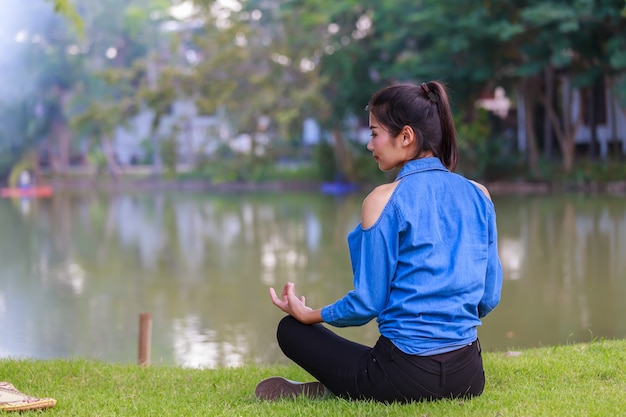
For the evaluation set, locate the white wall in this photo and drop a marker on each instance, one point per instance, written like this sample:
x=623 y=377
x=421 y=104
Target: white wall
x=615 y=126
x=196 y=133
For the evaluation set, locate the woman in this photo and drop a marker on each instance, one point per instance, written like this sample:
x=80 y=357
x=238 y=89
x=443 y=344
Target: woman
x=425 y=263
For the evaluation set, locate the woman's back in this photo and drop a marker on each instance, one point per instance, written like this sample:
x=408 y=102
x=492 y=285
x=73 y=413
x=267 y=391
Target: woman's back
x=445 y=225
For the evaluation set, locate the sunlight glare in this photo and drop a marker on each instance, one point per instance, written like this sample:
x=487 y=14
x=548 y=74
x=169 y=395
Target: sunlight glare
x=182 y=11
x=21 y=36
x=73 y=50
x=241 y=40
x=306 y=65
x=281 y=59
x=111 y=53
x=333 y=28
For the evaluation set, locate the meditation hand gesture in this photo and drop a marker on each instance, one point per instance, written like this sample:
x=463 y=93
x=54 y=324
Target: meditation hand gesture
x=294 y=306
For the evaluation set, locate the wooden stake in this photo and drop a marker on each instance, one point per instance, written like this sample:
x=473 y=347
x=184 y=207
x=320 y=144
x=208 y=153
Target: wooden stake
x=145 y=334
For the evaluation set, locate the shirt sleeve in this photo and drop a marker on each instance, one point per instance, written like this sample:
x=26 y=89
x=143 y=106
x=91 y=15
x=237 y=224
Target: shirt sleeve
x=493 y=278
x=374 y=256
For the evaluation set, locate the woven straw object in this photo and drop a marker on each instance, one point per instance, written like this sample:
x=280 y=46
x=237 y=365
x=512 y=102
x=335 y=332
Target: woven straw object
x=13 y=400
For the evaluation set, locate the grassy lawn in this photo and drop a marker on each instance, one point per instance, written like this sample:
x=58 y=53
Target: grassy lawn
x=574 y=380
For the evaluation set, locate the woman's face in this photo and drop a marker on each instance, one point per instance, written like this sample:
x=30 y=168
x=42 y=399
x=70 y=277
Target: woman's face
x=389 y=151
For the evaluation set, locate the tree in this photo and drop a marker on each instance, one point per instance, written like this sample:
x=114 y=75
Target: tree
x=53 y=68
x=250 y=64
x=581 y=43
x=473 y=45
x=284 y=61
x=337 y=38
x=123 y=38
x=42 y=69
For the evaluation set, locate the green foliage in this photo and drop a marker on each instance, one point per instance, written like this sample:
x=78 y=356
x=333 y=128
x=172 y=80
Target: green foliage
x=365 y=168
x=97 y=160
x=255 y=68
x=21 y=131
x=60 y=64
x=324 y=159
x=297 y=59
x=586 y=172
x=100 y=119
x=486 y=150
x=563 y=15
x=38 y=77
x=66 y=8
x=472 y=142
x=237 y=168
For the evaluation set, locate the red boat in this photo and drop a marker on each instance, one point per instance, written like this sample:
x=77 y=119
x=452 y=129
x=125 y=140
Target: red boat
x=31 y=192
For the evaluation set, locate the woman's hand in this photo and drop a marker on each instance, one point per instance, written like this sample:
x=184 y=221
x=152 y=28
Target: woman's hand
x=294 y=306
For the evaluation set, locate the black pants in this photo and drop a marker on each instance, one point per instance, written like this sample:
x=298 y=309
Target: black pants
x=383 y=373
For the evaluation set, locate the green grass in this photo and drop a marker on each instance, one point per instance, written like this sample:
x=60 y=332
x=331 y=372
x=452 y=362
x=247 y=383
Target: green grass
x=574 y=380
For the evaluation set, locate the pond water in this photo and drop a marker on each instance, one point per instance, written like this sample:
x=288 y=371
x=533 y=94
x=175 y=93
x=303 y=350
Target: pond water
x=77 y=270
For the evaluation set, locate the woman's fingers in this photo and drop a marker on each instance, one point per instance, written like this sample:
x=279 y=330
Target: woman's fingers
x=273 y=295
x=289 y=302
x=280 y=303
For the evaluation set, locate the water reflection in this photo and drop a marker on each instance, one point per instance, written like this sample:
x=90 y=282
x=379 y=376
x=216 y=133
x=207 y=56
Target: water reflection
x=195 y=347
x=564 y=265
x=78 y=269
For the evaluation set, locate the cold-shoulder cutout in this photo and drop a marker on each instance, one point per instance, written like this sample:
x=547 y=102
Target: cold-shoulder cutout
x=375 y=202
x=481 y=188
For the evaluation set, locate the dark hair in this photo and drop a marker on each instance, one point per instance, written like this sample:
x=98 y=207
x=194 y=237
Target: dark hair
x=424 y=108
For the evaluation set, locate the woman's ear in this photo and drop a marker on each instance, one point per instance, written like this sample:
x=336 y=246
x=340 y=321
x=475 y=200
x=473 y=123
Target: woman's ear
x=408 y=136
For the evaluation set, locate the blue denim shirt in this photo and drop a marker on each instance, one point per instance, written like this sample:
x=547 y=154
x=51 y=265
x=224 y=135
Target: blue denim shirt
x=428 y=269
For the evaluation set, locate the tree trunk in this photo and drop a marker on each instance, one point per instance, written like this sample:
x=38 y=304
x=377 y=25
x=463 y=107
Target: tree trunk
x=157 y=161
x=568 y=149
x=566 y=130
x=109 y=154
x=60 y=141
x=592 y=122
x=531 y=137
x=547 y=125
x=61 y=132
x=34 y=153
x=344 y=162
x=527 y=91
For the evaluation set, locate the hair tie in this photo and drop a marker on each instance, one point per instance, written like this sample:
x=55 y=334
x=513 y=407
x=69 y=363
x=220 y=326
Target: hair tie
x=430 y=94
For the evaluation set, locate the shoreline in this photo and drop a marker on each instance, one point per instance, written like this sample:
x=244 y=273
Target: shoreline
x=153 y=184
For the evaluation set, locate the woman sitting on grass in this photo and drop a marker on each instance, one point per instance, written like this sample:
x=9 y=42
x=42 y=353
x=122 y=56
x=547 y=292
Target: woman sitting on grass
x=425 y=263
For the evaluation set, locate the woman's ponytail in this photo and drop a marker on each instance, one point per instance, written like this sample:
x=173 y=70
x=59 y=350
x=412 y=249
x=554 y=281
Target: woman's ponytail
x=448 y=151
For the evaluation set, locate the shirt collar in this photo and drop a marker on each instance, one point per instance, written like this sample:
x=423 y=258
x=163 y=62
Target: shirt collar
x=421 y=165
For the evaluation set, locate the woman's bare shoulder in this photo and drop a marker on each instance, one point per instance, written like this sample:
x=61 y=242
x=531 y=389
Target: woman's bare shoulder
x=481 y=188
x=375 y=202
